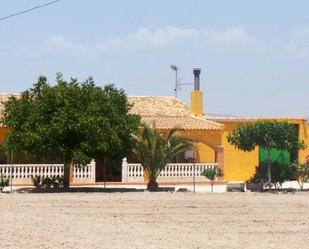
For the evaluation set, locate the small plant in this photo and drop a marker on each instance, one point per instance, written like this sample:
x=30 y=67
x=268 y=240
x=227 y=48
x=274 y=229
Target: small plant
x=57 y=182
x=47 y=183
x=302 y=174
x=36 y=181
x=4 y=182
x=212 y=174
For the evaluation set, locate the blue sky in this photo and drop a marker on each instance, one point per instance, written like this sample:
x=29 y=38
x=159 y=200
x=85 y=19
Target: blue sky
x=254 y=55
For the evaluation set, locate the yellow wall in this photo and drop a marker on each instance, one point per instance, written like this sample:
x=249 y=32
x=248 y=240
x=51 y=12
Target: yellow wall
x=18 y=156
x=212 y=138
x=238 y=165
x=205 y=153
x=206 y=143
x=304 y=135
x=197 y=103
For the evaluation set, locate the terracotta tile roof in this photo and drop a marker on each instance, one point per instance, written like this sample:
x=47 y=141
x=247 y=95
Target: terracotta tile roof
x=166 y=112
x=191 y=123
x=158 y=106
x=169 y=112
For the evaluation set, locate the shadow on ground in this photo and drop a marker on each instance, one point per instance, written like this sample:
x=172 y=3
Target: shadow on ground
x=88 y=190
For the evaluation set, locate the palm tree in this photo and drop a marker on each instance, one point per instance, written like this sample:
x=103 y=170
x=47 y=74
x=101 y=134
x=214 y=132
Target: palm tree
x=154 y=149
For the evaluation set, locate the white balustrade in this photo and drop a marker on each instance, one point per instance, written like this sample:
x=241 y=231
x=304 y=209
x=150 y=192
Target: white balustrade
x=22 y=173
x=132 y=172
x=85 y=174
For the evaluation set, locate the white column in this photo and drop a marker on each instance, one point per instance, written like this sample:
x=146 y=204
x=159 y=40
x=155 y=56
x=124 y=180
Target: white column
x=92 y=168
x=124 y=172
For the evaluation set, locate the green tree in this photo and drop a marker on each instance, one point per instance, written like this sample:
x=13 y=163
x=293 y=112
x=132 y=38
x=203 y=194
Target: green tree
x=154 y=149
x=212 y=174
x=267 y=134
x=74 y=121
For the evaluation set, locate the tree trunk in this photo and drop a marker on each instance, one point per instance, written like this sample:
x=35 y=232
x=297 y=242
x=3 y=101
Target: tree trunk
x=66 y=174
x=212 y=187
x=300 y=183
x=269 y=168
x=152 y=186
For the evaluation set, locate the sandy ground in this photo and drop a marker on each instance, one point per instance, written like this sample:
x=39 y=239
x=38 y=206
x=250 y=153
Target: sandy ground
x=154 y=220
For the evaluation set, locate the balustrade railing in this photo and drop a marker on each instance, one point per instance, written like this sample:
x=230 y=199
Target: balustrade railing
x=85 y=174
x=132 y=172
x=22 y=173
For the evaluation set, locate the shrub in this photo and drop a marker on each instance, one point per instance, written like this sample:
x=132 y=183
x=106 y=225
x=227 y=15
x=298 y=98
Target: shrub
x=4 y=182
x=57 y=182
x=302 y=174
x=280 y=173
x=36 y=181
x=47 y=182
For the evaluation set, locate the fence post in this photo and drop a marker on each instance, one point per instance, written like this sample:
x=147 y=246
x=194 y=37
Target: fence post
x=124 y=172
x=92 y=168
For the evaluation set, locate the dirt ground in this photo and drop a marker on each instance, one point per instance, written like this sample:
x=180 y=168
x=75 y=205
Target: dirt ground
x=154 y=220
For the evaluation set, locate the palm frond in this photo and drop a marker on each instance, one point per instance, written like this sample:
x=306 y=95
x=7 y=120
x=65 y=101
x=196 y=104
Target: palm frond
x=154 y=149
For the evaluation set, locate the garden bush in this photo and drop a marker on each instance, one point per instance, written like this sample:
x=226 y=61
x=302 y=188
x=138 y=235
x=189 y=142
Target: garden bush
x=4 y=182
x=280 y=173
x=47 y=183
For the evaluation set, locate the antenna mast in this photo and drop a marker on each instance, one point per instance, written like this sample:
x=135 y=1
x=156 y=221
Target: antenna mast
x=177 y=83
x=175 y=68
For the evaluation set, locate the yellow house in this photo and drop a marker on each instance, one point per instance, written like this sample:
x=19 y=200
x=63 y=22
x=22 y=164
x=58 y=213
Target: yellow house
x=210 y=132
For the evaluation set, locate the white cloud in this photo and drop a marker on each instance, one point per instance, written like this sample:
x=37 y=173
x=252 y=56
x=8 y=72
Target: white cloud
x=182 y=37
x=145 y=39
x=57 y=42
x=173 y=39
x=163 y=37
x=230 y=35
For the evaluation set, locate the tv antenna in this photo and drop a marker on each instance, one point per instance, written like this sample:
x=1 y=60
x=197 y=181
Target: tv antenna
x=175 y=68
